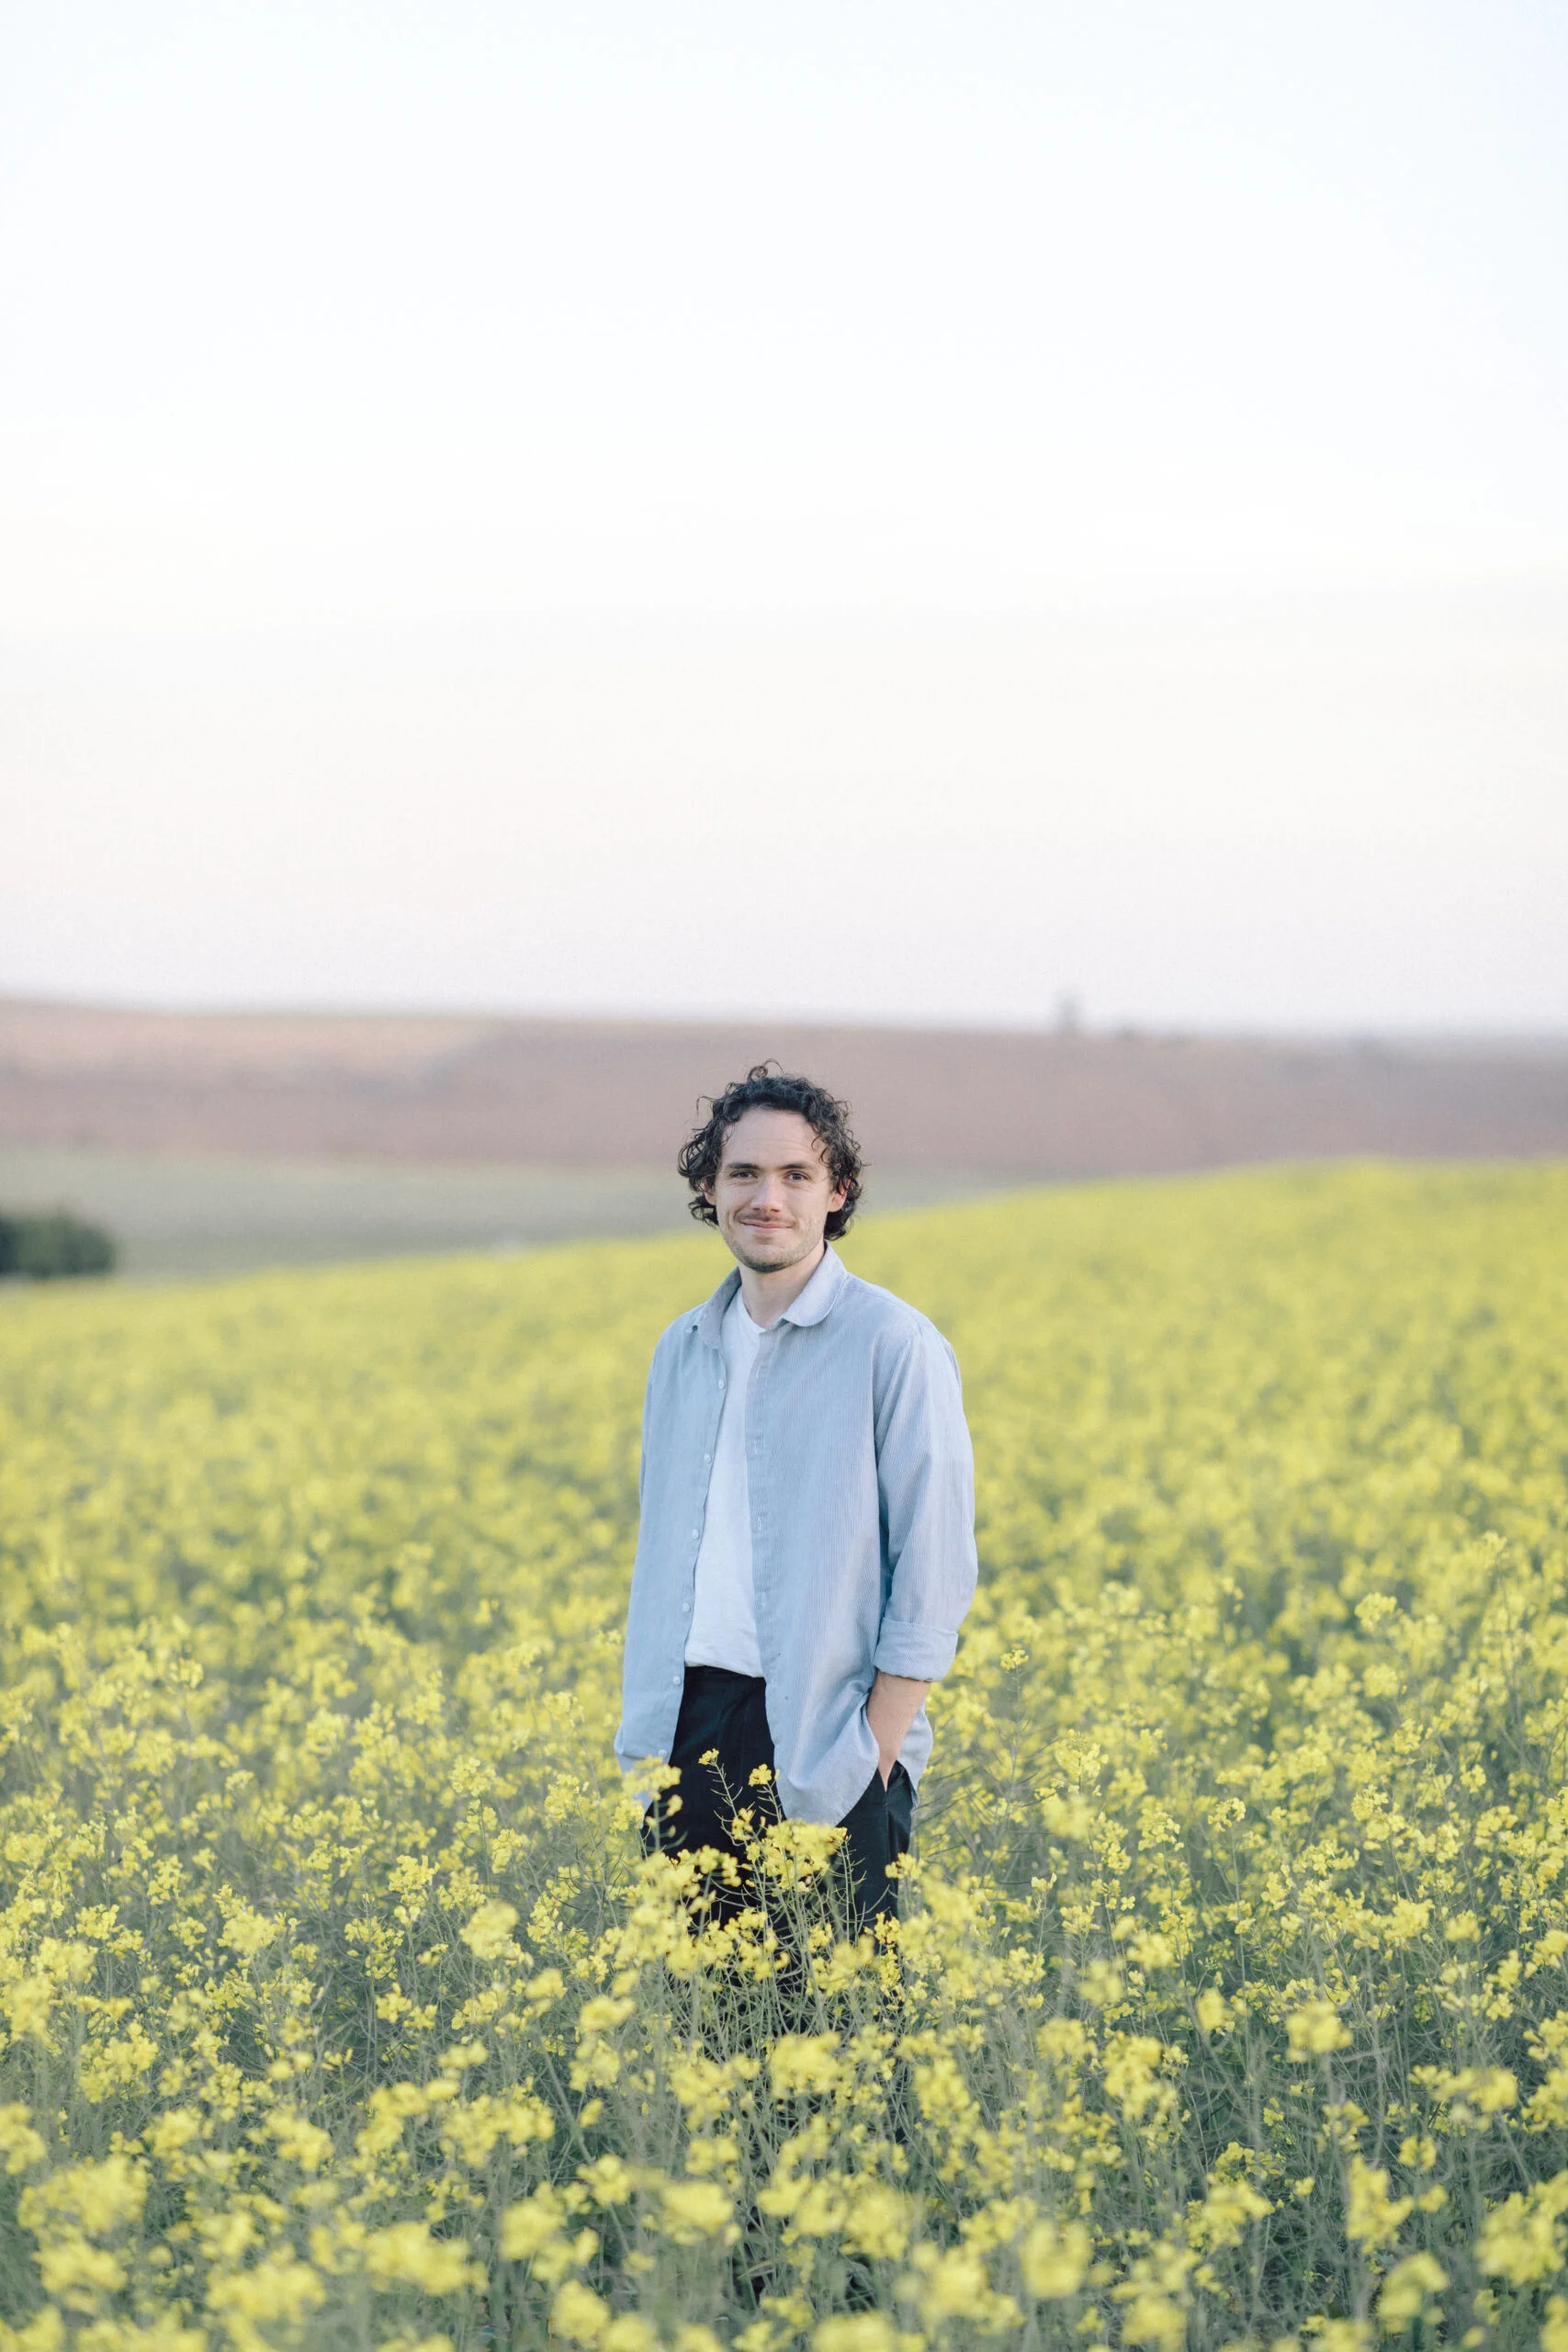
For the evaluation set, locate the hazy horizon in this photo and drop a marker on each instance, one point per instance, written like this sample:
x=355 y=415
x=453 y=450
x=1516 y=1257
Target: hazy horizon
x=1078 y=1022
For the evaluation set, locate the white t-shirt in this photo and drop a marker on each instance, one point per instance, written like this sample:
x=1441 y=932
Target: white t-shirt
x=724 y=1615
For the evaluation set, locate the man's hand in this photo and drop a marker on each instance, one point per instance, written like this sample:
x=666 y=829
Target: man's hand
x=895 y=1700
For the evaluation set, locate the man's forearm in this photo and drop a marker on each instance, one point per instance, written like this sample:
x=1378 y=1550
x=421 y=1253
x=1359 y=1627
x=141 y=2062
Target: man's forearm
x=895 y=1700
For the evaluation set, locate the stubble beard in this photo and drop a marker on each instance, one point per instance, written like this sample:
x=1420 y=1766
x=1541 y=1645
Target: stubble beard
x=790 y=1255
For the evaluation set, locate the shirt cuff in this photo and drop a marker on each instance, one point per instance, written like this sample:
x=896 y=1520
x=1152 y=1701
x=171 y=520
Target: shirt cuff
x=924 y=1652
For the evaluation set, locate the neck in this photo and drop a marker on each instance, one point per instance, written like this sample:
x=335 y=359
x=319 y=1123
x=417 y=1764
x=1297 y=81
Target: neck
x=766 y=1295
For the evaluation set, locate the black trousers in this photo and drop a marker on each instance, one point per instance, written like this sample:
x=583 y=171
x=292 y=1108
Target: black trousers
x=725 y=1714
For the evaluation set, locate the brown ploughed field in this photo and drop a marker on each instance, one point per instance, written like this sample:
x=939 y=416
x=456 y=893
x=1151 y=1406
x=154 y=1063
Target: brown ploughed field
x=1005 y=1106
x=208 y=1144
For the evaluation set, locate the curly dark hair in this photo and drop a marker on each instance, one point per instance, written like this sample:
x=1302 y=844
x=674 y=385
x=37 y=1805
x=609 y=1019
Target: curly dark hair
x=765 y=1087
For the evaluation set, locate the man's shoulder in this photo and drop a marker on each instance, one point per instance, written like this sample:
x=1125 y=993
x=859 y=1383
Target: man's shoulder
x=686 y=1330
x=883 y=1315
x=685 y=1326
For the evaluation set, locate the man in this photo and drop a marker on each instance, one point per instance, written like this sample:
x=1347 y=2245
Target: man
x=807 y=1549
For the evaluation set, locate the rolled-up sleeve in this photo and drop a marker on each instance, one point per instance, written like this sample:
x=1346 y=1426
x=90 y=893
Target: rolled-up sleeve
x=926 y=1477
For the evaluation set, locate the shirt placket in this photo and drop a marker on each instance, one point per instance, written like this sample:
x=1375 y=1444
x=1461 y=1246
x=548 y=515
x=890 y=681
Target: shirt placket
x=757 y=1499
x=701 y=1487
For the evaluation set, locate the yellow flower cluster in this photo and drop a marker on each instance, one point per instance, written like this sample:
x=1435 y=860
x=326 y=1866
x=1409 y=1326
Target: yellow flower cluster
x=338 y=2006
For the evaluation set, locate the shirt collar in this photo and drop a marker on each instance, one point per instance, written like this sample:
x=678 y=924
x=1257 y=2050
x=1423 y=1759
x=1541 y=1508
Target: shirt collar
x=816 y=1301
x=713 y=1314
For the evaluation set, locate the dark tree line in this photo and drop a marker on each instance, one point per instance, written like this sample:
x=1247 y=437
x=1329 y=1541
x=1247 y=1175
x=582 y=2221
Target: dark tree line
x=53 y=1244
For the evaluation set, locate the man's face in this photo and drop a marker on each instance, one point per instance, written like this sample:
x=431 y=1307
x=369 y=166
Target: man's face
x=773 y=1194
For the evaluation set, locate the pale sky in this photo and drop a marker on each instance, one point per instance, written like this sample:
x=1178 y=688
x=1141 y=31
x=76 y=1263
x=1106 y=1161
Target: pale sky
x=895 y=511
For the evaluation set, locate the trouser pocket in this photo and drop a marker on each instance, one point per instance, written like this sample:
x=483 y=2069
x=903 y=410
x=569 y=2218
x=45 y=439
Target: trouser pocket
x=876 y=1832
x=900 y=1797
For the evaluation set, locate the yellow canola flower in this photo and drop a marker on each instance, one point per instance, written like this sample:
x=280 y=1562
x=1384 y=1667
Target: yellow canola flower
x=76 y=2273
x=1070 y=1817
x=1409 y=2289
x=797 y=1854
x=1055 y=2258
x=390 y=2107
x=47 y=2334
x=161 y=2333
x=533 y=2223
x=954 y=2285
x=95 y=2199
x=1223 y=2217
x=535 y=2231
x=629 y=2333
x=802 y=2064
x=474 y=2127
x=29 y=2003
x=578 y=2313
x=304 y=2143
x=878 y=2220
x=21 y=2146
x=1315 y=2028
x=693 y=2209
x=407 y=2255
x=603 y=2014
x=1154 y=2318
x=1341 y=2334
x=1157 y=2298
x=1471 y=2094
x=487 y=1933
x=861 y=2331
x=119 y=2064
x=1522 y=2240
x=1132 y=2076
x=247 y=1931
x=1373 y=2218
x=280 y=2286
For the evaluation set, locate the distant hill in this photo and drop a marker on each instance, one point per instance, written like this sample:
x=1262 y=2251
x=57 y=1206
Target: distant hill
x=623 y=1093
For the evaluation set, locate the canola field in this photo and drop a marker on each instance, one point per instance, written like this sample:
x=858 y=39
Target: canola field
x=1230 y=2003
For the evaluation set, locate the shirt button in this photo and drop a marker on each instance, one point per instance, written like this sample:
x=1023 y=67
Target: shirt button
x=685 y=1609
x=707 y=1457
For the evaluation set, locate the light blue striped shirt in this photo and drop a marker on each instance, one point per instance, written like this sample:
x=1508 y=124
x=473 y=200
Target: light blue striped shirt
x=862 y=1494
